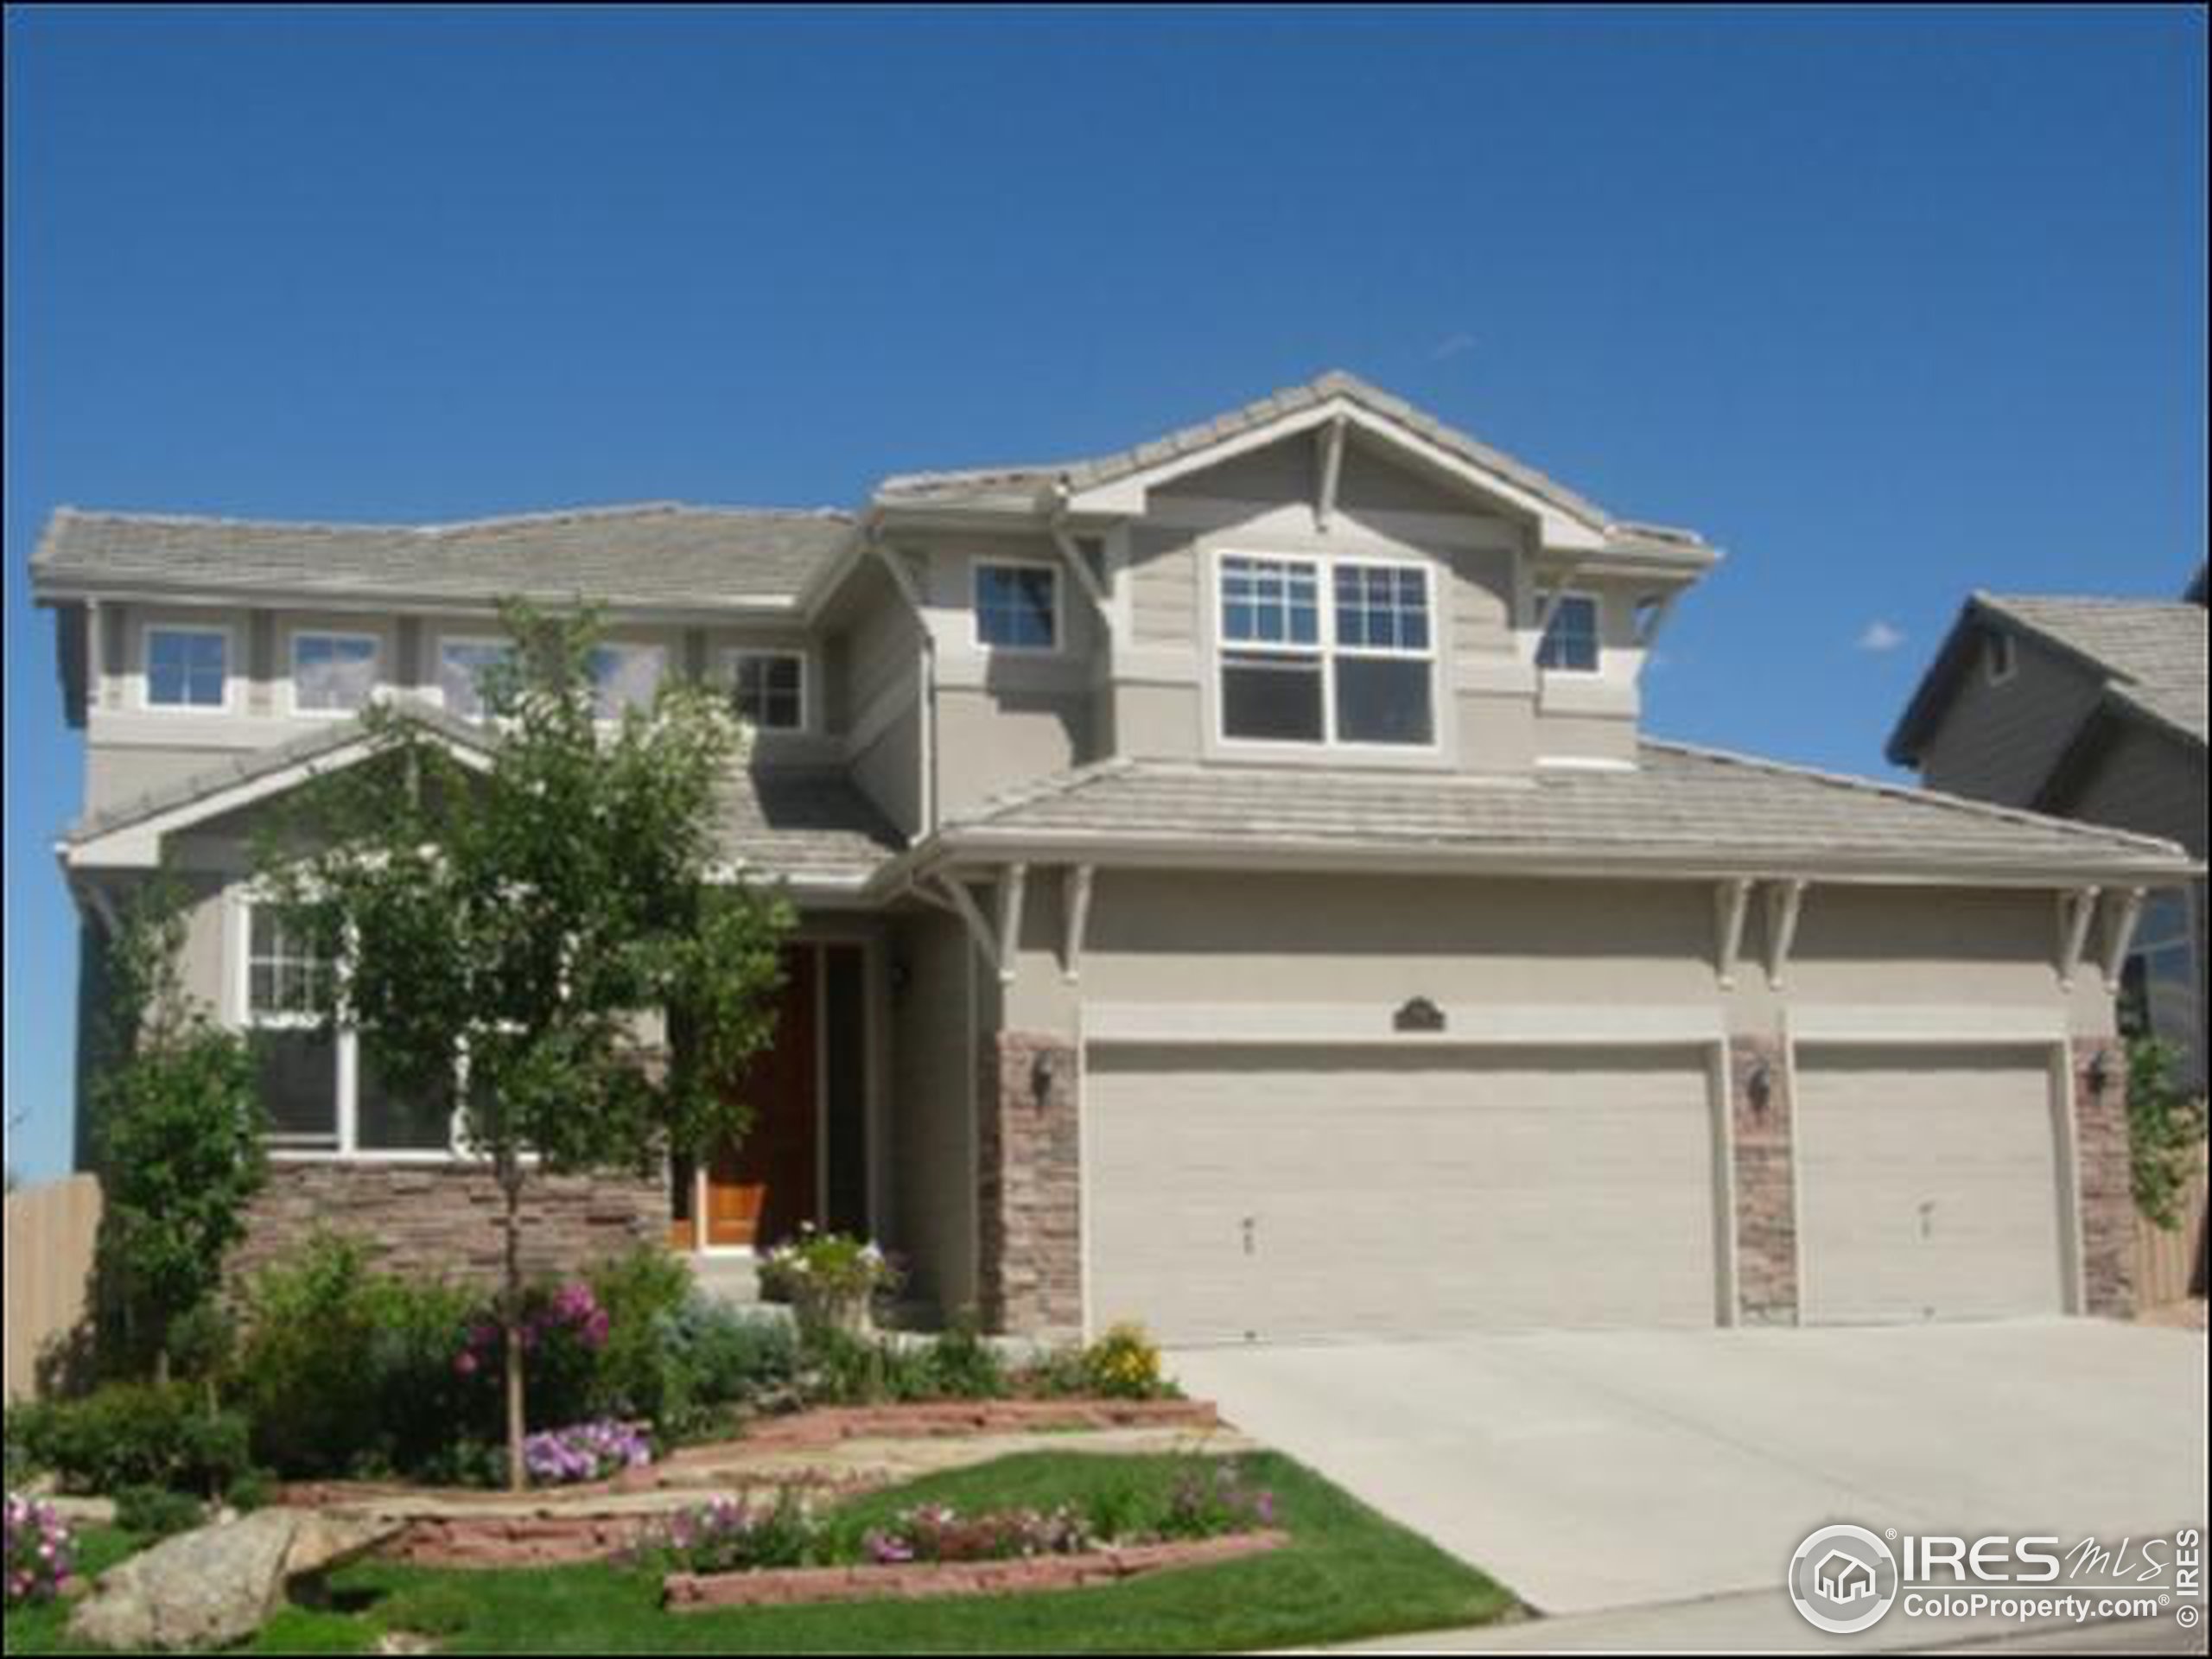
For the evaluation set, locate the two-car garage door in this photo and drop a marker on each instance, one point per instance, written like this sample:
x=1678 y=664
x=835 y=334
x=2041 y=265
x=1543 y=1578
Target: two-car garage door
x=1269 y=1191
x=1276 y=1191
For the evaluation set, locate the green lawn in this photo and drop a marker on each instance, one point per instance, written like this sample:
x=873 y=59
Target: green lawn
x=1348 y=1572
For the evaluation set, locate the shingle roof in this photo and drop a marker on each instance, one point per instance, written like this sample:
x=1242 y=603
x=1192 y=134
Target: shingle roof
x=2153 y=650
x=252 y=764
x=801 y=824
x=657 y=554
x=806 y=825
x=1680 y=805
x=990 y=484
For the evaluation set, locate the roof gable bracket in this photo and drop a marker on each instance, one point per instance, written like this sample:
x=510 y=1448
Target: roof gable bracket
x=2120 y=933
x=1086 y=577
x=997 y=941
x=1075 y=896
x=1332 y=464
x=1732 y=900
x=2077 y=909
x=1550 y=597
x=1785 y=901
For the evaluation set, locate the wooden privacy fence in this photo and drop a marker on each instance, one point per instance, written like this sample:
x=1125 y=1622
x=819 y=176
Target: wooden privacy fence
x=51 y=1230
x=2165 y=1262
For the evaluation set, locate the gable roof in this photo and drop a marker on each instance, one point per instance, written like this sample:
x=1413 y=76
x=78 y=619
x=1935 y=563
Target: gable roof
x=2149 y=654
x=1680 y=809
x=1029 y=485
x=810 y=827
x=657 y=554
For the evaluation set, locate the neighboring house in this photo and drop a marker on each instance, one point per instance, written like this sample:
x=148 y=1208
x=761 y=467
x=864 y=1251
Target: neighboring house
x=2089 y=708
x=1237 y=894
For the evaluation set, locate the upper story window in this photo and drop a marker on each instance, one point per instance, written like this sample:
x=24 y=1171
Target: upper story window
x=188 y=667
x=624 y=676
x=1570 y=643
x=768 y=688
x=1018 y=606
x=333 y=673
x=462 y=666
x=1317 y=651
x=1998 y=658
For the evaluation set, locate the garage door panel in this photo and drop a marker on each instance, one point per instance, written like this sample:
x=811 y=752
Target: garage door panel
x=1930 y=1183
x=1391 y=1193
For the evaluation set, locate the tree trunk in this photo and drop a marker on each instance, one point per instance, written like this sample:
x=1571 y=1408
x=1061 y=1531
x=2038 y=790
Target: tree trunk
x=511 y=1186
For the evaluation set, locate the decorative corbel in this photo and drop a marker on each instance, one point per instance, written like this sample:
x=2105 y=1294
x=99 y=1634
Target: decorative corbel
x=1731 y=902
x=2077 y=910
x=1075 y=896
x=1784 y=900
x=2120 y=933
x=1013 y=886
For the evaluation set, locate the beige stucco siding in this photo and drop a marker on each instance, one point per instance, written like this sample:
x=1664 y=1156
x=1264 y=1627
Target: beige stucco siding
x=1372 y=943
x=933 y=1115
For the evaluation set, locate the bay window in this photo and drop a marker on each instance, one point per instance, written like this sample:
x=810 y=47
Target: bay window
x=1326 y=651
x=1017 y=606
x=1570 y=644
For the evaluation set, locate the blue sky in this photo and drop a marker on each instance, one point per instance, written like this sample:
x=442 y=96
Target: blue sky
x=1888 y=304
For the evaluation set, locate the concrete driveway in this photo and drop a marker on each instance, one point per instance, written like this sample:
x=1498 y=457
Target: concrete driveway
x=1606 y=1469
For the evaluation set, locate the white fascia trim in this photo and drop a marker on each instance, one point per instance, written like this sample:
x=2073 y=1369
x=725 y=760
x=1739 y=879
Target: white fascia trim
x=138 y=845
x=1584 y=763
x=1877 y=1023
x=379 y=602
x=985 y=846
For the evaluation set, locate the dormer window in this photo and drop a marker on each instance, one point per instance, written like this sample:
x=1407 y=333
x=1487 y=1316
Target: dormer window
x=1326 y=650
x=187 y=668
x=1017 y=606
x=1570 y=644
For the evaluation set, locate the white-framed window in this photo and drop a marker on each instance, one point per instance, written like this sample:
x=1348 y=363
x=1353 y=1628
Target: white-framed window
x=768 y=688
x=318 y=1089
x=464 y=662
x=188 y=666
x=624 y=676
x=1017 y=605
x=1326 y=650
x=333 y=673
x=1999 y=657
x=1571 y=642
x=2162 y=990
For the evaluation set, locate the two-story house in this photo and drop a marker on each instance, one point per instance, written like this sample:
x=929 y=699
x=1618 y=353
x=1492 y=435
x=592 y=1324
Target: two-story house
x=2090 y=709
x=1237 y=893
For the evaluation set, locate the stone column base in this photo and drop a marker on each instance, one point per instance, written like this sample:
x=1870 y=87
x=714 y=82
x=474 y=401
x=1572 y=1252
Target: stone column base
x=1029 y=1185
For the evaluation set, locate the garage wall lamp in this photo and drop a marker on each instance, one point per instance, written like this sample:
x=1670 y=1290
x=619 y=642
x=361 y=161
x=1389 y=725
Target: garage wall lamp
x=1044 y=1070
x=2098 y=1076
x=1759 y=1085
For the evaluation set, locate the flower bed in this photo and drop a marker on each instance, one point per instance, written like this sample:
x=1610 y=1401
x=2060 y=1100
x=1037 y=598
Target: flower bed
x=696 y=1592
x=734 y=1552
x=931 y=1418
x=584 y=1452
x=41 y=1552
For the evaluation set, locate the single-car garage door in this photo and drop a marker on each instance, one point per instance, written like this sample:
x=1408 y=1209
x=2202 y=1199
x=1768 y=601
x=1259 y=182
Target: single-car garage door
x=1261 y=1192
x=1929 y=1183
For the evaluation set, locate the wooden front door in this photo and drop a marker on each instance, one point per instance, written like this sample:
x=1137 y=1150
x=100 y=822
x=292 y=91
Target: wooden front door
x=759 y=1191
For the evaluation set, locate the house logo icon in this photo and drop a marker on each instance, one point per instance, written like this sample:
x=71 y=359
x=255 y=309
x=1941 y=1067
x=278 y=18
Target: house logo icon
x=1843 y=1578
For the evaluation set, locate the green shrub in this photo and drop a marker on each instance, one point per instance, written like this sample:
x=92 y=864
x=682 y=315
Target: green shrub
x=345 y=1368
x=963 y=1366
x=840 y=1369
x=728 y=1357
x=251 y=1490
x=637 y=1372
x=128 y=1434
x=153 y=1512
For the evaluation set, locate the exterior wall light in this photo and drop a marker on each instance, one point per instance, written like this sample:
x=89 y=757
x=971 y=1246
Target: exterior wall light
x=2098 y=1076
x=1759 y=1085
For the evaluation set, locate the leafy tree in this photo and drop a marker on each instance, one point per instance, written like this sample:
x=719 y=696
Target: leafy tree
x=2165 y=1129
x=178 y=1129
x=544 y=940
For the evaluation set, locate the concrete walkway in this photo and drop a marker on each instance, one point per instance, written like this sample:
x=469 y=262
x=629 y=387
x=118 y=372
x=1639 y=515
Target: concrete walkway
x=1591 y=1472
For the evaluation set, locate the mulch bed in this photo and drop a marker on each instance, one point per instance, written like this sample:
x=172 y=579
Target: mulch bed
x=693 y=1592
